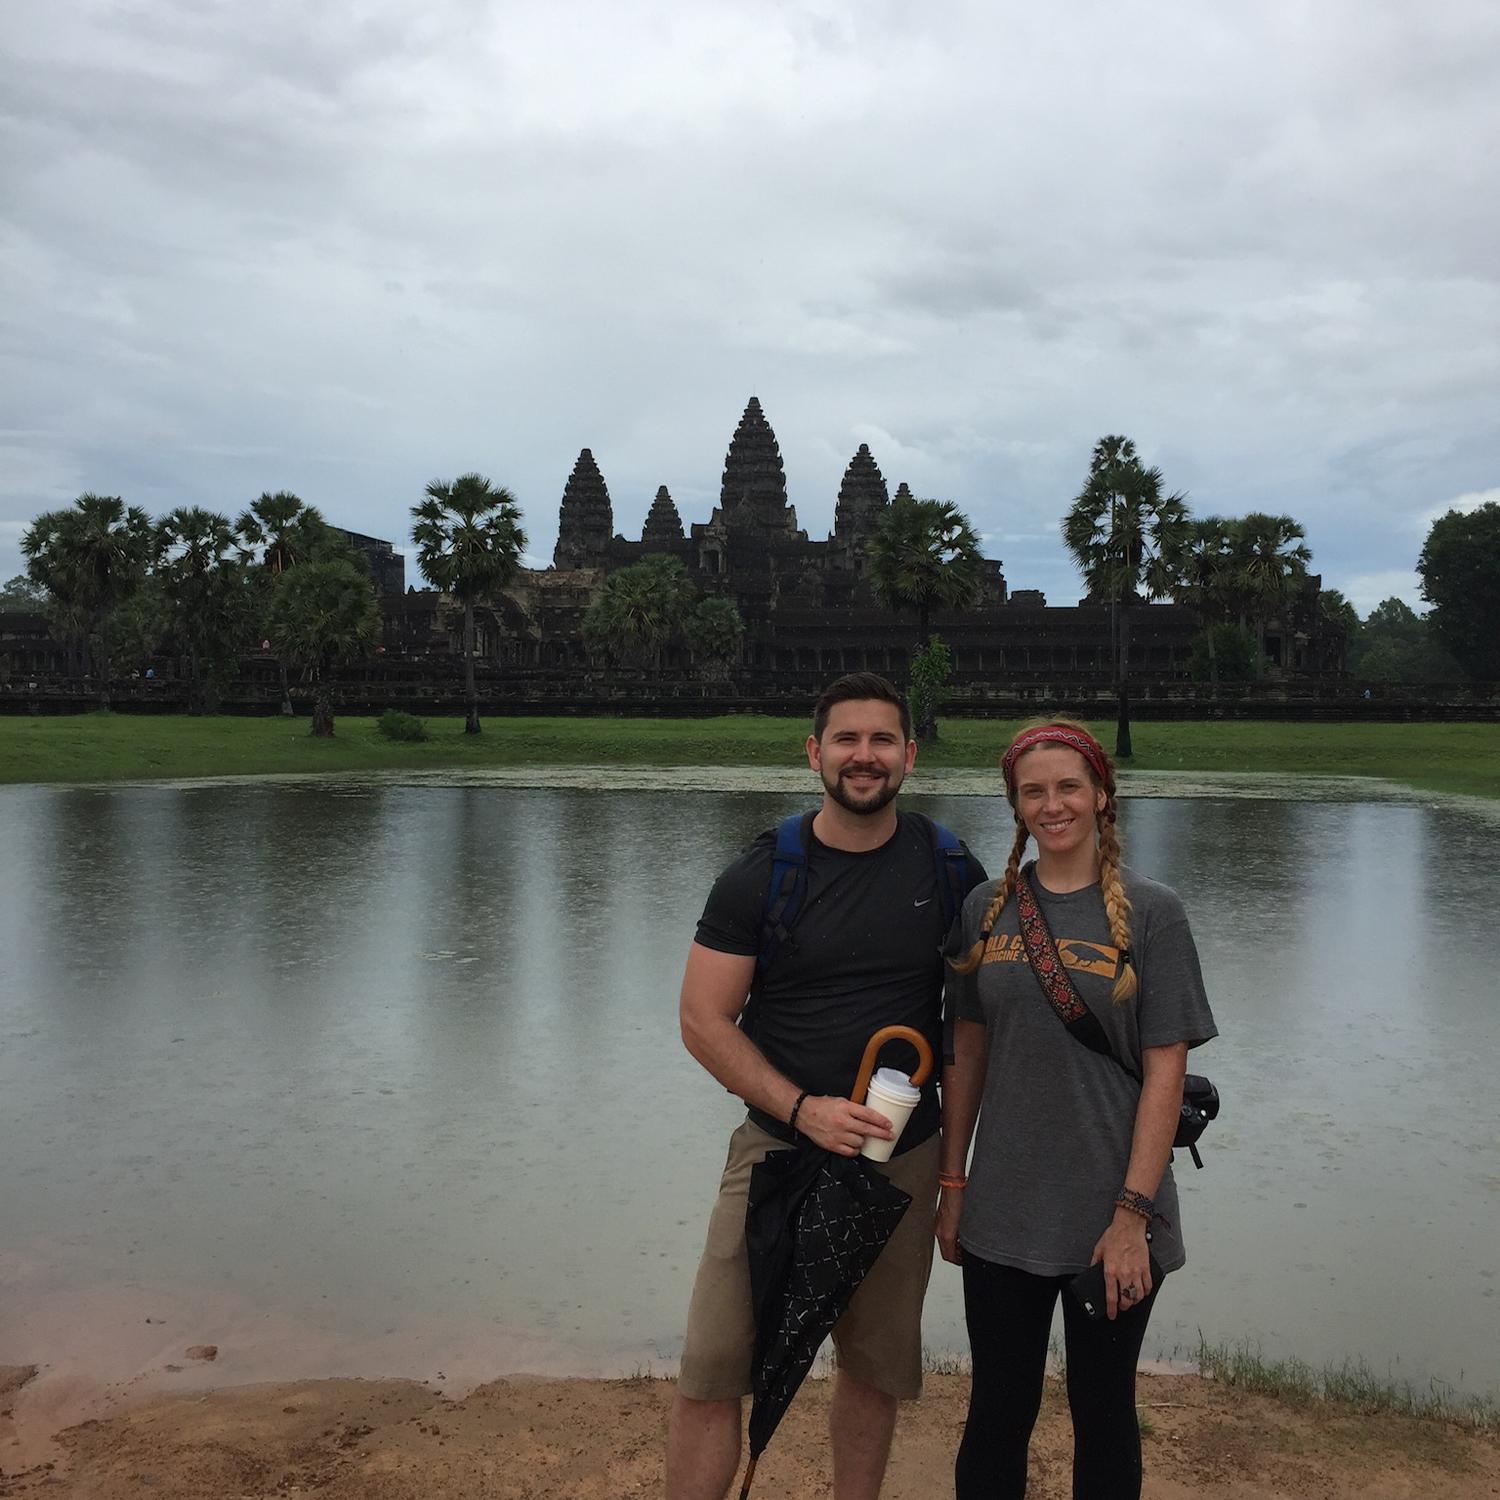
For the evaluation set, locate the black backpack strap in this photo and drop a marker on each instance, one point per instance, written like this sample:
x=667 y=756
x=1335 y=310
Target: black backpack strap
x=950 y=864
x=1062 y=994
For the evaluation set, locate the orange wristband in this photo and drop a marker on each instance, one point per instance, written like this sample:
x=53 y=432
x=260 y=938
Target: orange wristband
x=952 y=1180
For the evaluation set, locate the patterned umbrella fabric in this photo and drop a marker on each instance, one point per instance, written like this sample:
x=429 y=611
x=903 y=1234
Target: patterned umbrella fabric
x=814 y=1225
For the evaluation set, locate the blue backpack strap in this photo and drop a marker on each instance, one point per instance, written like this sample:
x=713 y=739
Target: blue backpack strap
x=787 y=887
x=953 y=869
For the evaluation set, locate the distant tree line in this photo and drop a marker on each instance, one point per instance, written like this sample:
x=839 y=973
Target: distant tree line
x=118 y=587
x=1132 y=543
x=1458 y=639
x=1135 y=543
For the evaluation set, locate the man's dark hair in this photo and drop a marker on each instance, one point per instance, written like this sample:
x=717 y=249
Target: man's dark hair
x=859 y=687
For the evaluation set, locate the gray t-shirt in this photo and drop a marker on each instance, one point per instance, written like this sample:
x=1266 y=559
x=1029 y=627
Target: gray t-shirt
x=1056 y=1119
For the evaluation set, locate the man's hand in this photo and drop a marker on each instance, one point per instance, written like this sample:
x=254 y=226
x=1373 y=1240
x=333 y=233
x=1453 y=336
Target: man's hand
x=950 y=1208
x=840 y=1125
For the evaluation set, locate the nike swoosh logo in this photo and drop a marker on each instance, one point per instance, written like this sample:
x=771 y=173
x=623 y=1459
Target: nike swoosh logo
x=921 y=903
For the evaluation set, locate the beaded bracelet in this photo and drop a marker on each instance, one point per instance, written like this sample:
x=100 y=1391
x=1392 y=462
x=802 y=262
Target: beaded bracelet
x=1136 y=1203
x=801 y=1099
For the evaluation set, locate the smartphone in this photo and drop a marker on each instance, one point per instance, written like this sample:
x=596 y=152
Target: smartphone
x=1087 y=1288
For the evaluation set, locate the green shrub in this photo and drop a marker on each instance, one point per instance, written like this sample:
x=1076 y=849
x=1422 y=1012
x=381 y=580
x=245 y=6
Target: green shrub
x=395 y=725
x=1224 y=653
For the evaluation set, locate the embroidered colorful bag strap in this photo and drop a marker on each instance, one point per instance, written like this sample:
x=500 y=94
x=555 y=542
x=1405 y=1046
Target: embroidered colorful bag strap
x=1062 y=995
x=1200 y=1099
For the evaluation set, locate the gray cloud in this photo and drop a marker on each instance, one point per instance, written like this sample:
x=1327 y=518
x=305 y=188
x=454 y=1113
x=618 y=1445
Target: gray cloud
x=346 y=248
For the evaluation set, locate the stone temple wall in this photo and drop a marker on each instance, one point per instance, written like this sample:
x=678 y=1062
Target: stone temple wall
x=809 y=601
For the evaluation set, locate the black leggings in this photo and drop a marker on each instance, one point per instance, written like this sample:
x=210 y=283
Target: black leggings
x=1009 y=1313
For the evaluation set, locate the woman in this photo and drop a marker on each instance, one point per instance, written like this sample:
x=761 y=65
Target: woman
x=1070 y=1165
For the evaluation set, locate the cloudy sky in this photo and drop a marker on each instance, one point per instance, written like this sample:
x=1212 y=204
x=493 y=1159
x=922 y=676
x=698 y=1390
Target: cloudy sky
x=346 y=246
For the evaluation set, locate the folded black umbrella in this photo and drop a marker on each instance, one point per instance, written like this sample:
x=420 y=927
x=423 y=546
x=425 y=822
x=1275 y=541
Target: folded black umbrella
x=814 y=1225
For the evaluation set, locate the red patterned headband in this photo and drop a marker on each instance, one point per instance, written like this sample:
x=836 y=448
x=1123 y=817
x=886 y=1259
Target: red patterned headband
x=1054 y=734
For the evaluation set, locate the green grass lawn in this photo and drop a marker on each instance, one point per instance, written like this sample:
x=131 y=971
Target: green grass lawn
x=109 y=747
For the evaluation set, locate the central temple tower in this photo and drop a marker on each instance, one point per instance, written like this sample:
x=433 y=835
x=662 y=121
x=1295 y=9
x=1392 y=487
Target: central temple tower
x=586 y=519
x=752 y=494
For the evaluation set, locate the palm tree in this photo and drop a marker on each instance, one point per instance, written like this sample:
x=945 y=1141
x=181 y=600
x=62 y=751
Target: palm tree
x=925 y=556
x=1270 y=565
x=280 y=531
x=715 y=632
x=324 y=614
x=1127 y=539
x=469 y=543
x=202 y=574
x=284 y=529
x=641 y=610
x=1205 y=579
x=1336 y=612
x=90 y=558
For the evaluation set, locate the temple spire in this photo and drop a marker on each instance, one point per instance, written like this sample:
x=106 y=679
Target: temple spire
x=903 y=493
x=753 y=491
x=863 y=498
x=663 y=524
x=585 y=521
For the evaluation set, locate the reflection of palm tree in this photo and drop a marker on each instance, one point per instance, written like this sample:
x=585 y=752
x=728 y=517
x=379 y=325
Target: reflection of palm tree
x=90 y=558
x=469 y=543
x=1270 y=565
x=201 y=572
x=1127 y=539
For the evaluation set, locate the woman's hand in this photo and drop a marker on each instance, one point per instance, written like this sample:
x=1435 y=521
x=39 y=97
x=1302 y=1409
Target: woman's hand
x=1127 y=1262
x=950 y=1207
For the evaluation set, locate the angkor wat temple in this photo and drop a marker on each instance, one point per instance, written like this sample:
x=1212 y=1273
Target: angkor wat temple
x=808 y=605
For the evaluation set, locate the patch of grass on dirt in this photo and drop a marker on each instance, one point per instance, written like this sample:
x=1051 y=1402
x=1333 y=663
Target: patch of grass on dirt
x=1351 y=1384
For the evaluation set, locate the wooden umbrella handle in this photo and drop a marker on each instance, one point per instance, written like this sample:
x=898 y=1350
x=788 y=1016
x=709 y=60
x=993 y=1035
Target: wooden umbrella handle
x=872 y=1055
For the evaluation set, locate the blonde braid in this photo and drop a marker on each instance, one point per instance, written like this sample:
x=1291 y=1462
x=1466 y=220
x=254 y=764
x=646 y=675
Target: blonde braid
x=1116 y=902
x=971 y=960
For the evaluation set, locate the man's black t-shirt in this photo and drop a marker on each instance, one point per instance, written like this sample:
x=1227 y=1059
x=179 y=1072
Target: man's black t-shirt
x=863 y=953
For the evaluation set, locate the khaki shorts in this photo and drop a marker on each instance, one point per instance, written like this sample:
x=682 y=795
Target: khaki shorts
x=879 y=1338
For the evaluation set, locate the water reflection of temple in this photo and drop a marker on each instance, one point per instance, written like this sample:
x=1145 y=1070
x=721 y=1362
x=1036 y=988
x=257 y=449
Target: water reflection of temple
x=808 y=604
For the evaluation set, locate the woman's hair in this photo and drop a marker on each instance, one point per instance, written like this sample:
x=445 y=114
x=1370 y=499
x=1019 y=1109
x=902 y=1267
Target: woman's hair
x=1111 y=887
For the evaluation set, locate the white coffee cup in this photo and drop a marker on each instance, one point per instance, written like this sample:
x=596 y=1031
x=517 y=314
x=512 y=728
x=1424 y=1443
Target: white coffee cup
x=891 y=1093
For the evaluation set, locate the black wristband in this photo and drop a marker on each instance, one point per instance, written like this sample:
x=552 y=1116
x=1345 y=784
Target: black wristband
x=796 y=1108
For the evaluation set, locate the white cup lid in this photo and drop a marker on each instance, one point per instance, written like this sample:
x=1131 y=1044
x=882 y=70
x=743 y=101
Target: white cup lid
x=896 y=1084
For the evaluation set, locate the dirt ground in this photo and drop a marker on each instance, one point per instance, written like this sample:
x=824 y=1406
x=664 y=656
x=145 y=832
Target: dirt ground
x=534 y=1439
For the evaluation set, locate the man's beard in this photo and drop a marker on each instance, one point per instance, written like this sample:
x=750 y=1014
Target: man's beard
x=873 y=802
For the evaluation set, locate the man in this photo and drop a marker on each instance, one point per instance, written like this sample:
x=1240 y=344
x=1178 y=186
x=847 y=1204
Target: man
x=863 y=953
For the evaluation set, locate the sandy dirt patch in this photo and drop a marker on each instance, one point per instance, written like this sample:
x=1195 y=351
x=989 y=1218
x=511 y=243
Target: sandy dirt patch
x=532 y=1439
